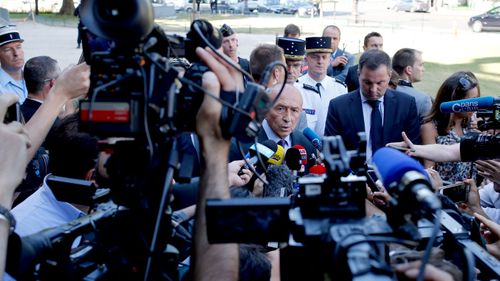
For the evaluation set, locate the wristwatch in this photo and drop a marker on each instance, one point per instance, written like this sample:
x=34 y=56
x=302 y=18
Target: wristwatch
x=7 y=216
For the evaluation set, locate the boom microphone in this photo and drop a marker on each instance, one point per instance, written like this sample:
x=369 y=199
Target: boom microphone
x=405 y=179
x=313 y=138
x=469 y=105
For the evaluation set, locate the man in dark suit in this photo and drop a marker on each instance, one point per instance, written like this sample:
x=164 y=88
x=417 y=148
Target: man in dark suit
x=373 y=40
x=40 y=74
x=280 y=123
x=374 y=108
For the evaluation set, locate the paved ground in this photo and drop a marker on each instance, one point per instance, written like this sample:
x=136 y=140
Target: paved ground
x=442 y=44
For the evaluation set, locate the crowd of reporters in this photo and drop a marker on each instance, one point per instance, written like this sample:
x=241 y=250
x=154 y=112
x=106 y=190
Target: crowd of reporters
x=280 y=156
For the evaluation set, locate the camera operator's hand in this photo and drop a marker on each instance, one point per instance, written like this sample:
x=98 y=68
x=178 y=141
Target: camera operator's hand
x=14 y=144
x=233 y=177
x=489 y=169
x=217 y=261
x=432 y=273
x=473 y=204
x=230 y=78
x=73 y=82
x=492 y=235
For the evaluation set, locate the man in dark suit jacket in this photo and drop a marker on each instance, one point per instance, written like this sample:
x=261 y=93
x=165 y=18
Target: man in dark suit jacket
x=40 y=74
x=352 y=113
x=373 y=40
x=280 y=123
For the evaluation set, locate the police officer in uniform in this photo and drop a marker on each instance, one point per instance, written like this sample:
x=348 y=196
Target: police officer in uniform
x=230 y=47
x=316 y=87
x=295 y=51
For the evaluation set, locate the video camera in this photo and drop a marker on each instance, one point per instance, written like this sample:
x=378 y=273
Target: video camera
x=134 y=96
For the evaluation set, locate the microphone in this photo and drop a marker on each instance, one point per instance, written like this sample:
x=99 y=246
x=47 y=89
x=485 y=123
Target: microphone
x=469 y=105
x=405 y=179
x=303 y=154
x=313 y=138
x=278 y=157
x=318 y=169
x=293 y=159
x=266 y=150
x=280 y=181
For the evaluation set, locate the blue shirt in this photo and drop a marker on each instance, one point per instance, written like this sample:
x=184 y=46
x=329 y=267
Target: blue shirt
x=273 y=136
x=9 y=85
x=41 y=210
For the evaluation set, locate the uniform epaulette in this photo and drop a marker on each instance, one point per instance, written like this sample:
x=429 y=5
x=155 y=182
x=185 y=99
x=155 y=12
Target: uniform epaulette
x=340 y=82
x=310 y=88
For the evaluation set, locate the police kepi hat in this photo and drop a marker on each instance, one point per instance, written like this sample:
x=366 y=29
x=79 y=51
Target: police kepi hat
x=8 y=34
x=294 y=49
x=226 y=30
x=318 y=45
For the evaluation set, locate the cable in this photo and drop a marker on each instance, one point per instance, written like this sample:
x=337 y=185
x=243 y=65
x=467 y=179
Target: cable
x=430 y=243
x=238 y=144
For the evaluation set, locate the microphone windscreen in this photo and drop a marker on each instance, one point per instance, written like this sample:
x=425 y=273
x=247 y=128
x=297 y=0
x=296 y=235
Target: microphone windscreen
x=303 y=153
x=280 y=181
x=312 y=137
x=278 y=157
x=391 y=165
x=467 y=105
x=317 y=169
x=293 y=159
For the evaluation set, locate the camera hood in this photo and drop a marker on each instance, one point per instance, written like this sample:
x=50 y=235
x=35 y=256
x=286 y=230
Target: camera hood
x=127 y=21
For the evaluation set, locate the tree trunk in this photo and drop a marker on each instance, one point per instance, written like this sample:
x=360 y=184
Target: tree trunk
x=355 y=11
x=68 y=7
x=36 y=8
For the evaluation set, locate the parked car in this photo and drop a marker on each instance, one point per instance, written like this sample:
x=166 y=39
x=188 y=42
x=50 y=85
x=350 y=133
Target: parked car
x=237 y=8
x=412 y=6
x=204 y=6
x=487 y=21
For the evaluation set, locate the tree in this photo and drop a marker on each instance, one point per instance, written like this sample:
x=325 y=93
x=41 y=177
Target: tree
x=68 y=7
x=36 y=8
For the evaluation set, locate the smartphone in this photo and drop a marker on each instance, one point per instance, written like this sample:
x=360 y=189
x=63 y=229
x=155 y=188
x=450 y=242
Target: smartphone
x=13 y=114
x=458 y=192
x=400 y=148
x=371 y=179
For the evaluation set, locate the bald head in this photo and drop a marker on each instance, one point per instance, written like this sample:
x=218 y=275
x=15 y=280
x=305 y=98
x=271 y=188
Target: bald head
x=283 y=116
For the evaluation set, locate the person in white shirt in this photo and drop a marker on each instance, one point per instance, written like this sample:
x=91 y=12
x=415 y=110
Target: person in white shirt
x=316 y=87
x=12 y=61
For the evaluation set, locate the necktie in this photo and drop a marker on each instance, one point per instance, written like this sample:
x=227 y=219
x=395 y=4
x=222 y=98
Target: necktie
x=282 y=142
x=318 y=85
x=376 y=126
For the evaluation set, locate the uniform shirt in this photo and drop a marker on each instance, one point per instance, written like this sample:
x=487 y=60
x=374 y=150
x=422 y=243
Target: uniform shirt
x=9 y=85
x=41 y=210
x=316 y=106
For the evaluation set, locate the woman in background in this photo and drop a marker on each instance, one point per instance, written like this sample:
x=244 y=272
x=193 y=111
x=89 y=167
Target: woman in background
x=448 y=128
